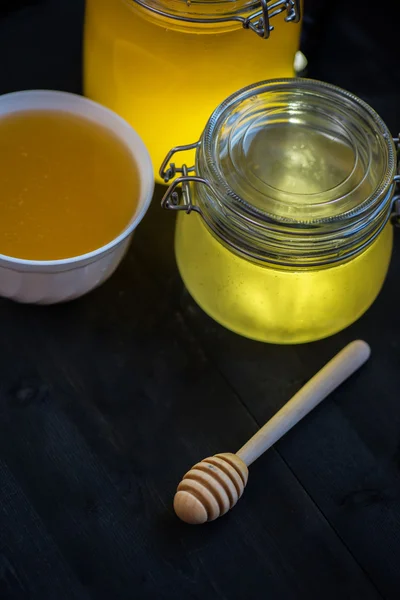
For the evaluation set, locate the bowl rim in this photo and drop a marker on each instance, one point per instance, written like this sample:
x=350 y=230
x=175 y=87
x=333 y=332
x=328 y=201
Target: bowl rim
x=140 y=154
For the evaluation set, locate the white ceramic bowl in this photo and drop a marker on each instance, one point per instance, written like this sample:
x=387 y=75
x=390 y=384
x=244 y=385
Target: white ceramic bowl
x=48 y=282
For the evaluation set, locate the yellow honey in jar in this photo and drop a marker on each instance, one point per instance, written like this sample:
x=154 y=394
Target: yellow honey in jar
x=277 y=305
x=165 y=75
x=68 y=185
x=288 y=238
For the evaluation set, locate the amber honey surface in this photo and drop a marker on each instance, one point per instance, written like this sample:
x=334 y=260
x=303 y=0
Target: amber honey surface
x=68 y=186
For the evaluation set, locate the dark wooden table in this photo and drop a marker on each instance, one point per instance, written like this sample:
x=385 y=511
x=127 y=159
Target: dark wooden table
x=106 y=401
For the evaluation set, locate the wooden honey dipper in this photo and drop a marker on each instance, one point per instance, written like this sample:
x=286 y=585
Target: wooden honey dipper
x=213 y=486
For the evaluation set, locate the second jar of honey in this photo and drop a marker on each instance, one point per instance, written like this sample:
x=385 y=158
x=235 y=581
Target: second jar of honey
x=164 y=65
x=290 y=192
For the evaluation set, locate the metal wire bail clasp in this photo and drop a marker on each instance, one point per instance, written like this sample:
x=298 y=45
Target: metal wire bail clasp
x=259 y=22
x=178 y=196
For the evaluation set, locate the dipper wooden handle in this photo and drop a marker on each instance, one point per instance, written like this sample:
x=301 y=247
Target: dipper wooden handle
x=213 y=486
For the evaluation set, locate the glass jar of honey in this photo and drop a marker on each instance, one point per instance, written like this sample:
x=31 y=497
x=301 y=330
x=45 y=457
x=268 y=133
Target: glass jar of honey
x=163 y=65
x=289 y=237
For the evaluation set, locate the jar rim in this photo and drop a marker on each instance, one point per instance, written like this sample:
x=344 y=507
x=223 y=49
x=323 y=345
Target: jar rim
x=288 y=240
x=273 y=237
x=199 y=10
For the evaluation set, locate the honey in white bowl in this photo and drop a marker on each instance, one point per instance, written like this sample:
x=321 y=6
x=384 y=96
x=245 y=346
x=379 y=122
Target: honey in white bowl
x=68 y=185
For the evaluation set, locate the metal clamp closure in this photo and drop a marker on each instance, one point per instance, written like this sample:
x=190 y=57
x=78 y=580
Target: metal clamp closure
x=178 y=196
x=260 y=22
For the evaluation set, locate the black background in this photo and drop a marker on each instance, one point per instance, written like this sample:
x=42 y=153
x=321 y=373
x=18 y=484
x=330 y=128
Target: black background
x=105 y=402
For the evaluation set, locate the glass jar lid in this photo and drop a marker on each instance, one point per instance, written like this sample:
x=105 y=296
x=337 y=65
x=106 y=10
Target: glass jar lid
x=290 y=171
x=297 y=150
x=255 y=15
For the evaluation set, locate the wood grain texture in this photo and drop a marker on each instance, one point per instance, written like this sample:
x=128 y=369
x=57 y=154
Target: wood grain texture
x=319 y=387
x=104 y=403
